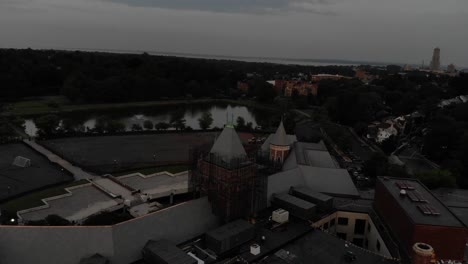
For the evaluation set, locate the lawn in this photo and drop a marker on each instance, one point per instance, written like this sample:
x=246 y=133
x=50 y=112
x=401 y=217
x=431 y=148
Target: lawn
x=148 y=171
x=34 y=199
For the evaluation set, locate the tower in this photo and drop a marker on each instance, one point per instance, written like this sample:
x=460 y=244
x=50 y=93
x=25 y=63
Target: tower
x=227 y=176
x=435 y=62
x=279 y=146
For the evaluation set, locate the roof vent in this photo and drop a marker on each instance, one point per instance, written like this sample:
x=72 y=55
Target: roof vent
x=402 y=193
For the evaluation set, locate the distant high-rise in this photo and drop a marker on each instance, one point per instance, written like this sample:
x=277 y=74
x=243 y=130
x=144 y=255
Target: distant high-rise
x=435 y=62
x=451 y=68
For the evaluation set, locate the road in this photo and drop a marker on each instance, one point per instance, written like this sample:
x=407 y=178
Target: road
x=77 y=172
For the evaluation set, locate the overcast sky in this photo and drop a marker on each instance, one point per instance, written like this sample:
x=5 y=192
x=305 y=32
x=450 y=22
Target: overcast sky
x=403 y=31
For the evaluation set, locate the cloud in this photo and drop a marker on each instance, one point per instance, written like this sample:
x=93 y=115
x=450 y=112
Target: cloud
x=237 y=6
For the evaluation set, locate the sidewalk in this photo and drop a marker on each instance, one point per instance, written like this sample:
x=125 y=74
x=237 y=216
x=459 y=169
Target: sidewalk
x=77 y=172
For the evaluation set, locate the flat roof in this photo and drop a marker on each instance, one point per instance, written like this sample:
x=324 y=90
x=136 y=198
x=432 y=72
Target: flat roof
x=229 y=229
x=85 y=200
x=419 y=200
x=294 y=200
x=320 y=247
x=168 y=252
x=316 y=195
x=157 y=185
x=456 y=200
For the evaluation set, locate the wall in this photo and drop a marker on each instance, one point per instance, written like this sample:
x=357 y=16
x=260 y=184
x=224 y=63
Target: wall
x=372 y=236
x=121 y=243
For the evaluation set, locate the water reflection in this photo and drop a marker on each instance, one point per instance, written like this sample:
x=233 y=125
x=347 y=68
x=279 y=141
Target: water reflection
x=191 y=114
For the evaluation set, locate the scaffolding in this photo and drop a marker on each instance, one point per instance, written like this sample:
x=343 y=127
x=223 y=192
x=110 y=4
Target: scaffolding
x=234 y=188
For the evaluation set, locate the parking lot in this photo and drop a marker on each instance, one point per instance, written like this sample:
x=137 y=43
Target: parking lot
x=16 y=180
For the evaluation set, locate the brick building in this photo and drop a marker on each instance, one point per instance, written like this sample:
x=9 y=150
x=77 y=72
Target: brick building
x=414 y=215
x=227 y=176
x=303 y=88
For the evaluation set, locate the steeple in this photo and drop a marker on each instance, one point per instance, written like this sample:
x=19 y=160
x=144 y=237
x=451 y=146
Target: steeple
x=280 y=138
x=228 y=145
x=279 y=145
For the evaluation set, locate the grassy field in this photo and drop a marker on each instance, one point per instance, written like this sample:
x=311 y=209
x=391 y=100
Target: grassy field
x=59 y=104
x=34 y=199
x=147 y=171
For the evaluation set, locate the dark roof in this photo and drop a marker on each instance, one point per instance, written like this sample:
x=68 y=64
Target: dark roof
x=310 y=193
x=333 y=182
x=280 y=138
x=319 y=247
x=168 y=252
x=228 y=145
x=418 y=200
x=94 y=259
x=456 y=200
x=294 y=200
x=229 y=230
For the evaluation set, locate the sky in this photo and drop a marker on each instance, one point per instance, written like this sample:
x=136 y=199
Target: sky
x=399 y=31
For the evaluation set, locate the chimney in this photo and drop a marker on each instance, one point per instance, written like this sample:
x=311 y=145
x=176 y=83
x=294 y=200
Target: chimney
x=422 y=254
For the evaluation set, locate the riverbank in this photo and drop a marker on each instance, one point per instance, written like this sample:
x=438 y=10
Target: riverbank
x=59 y=105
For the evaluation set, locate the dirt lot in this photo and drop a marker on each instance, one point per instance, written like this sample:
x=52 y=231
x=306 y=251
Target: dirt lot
x=17 y=180
x=106 y=154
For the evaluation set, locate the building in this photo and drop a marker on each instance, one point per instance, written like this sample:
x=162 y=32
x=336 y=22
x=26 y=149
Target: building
x=279 y=145
x=306 y=164
x=243 y=87
x=451 y=68
x=435 y=62
x=414 y=214
x=227 y=176
x=320 y=77
x=300 y=87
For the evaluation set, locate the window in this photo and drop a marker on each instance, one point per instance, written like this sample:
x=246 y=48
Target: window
x=332 y=222
x=378 y=245
x=359 y=226
x=368 y=228
x=358 y=242
x=325 y=226
x=342 y=235
x=342 y=221
x=366 y=243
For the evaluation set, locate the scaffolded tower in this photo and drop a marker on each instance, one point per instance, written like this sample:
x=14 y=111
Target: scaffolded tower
x=226 y=174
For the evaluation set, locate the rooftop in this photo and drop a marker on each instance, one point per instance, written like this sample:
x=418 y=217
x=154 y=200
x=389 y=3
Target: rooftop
x=294 y=200
x=228 y=145
x=81 y=202
x=319 y=247
x=229 y=229
x=419 y=203
x=168 y=252
x=280 y=137
x=159 y=184
x=333 y=182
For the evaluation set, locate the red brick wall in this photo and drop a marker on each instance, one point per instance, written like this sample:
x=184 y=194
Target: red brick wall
x=448 y=242
x=395 y=217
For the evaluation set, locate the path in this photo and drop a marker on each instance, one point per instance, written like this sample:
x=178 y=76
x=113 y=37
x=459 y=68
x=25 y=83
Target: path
x=114 y=188
x=77 y=172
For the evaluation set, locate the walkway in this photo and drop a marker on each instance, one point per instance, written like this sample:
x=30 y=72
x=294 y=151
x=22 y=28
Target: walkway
x=114 y=188
x=77 y=172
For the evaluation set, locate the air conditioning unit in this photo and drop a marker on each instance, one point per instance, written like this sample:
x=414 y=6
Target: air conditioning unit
x=280 y=216
x=255 y=249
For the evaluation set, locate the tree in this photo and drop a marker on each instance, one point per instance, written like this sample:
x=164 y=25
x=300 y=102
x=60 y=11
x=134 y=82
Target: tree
x=114 y=126
x=47 y=125
x=389 y=145
x=205 y=121
x=148 y=124
x=136 y=127
x=240 y=122
x=437 y=179
x=162 y=126
x=179 y=124
x=106 y=218
x=375 y=166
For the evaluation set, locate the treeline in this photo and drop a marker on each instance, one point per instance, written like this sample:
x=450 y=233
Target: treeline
x=442 y=135
x=106 y=77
